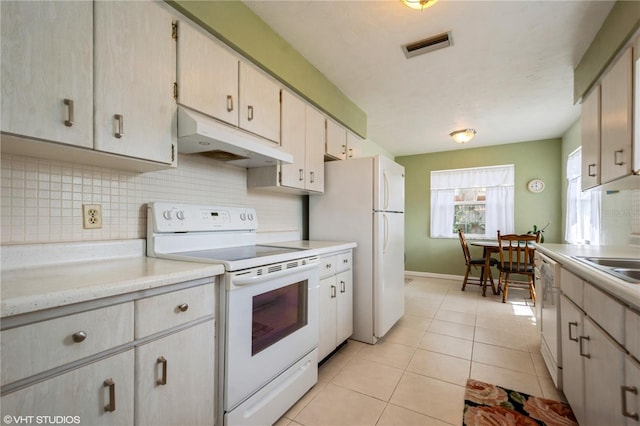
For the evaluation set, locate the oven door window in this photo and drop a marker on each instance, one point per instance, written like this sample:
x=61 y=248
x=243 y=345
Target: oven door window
x=277 y=314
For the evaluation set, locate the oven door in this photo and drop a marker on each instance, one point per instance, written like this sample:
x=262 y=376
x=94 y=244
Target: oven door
x=272 y=322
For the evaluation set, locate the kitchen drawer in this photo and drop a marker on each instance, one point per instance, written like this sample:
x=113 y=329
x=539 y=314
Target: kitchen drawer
x=632 y=333
x=38 y=347
x=572 y=287
x=327 y=266
x=164 y=311
x=605 y=311
x=344 y=261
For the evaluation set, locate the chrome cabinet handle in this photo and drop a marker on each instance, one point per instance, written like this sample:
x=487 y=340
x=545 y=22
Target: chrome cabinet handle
x=344 y=149
x=183 y=307
x=69 y=121
x=575 y=339
x=301 y=174
x=229 y=103
x=163 y=379
x=615 y=157
x=624 y=390
x=342 y=287
x=250 y=112
x=120 y=120
x=312 y=177
x=333 y=291
x=582 y=339
x=328 y=266
x=590 y=173
x=345 y=261
x=111 y=407
x=79 y=336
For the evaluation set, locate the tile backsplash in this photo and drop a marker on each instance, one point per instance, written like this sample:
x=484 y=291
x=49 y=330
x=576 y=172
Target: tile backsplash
x=41 y=200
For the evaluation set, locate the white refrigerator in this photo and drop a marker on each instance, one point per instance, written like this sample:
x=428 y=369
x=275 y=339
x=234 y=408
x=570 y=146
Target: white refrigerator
x=364 y=202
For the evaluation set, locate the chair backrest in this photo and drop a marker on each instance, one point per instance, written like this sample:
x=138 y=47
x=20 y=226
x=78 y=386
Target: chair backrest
x=517 y=251
x=465 y=247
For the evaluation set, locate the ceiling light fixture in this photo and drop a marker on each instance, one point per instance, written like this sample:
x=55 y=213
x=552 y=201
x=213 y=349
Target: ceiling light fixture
x=418 y=4
x=463 y=136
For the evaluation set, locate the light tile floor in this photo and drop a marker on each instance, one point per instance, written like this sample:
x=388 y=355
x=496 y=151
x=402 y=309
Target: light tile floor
x=416 y=374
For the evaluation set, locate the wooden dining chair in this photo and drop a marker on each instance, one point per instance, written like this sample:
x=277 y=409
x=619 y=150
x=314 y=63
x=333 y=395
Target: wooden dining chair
x=517 y=258
x=475 y=263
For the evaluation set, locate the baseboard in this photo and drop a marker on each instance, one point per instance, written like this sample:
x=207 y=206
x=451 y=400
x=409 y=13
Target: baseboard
x=433 y=275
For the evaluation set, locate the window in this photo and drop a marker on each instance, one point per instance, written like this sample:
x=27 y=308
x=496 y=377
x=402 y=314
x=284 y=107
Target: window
x=582 y=222
x=478 y=200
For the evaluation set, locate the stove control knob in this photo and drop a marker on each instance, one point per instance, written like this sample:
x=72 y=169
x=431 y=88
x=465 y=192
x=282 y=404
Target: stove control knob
x=243 y=217
x=180 y=215
x=167 y=214
x=251 y=217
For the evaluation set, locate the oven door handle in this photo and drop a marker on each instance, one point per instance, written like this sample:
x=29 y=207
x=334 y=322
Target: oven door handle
x=262 y=278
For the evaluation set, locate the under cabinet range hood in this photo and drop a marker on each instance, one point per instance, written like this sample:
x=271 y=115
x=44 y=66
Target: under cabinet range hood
x=201 y=134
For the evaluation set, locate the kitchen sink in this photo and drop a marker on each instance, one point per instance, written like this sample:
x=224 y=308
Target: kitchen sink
x=627 y=269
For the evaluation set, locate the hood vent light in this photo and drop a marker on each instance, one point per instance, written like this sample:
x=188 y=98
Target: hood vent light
x=426 y=45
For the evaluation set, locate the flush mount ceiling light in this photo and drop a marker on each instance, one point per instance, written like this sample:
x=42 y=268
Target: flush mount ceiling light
x=463 y=136
x=419 y=4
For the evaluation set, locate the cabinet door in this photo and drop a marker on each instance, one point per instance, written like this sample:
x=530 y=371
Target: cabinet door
x=83 y=392
x=344 y=315
x=327 y=316
x=175 y=378
x=631 y=392
x=315 y=149
x=354 y=145
x=47 y=58
x=135 y=71
x=336 y=140
x=292 y=140
x=590 y=123
x=617 y=101
x=572 y=362
x=207 y=75
x=604 y=374
x=259 y=103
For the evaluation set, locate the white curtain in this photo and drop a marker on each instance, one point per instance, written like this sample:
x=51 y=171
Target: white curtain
x=582 y=219
x=498 y=181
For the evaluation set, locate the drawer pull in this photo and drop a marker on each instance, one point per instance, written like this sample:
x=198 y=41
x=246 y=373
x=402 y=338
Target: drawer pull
x=111 y=407
x=79 y=336
x=345 y=261
x=575 y=339
x=583 y=338
x=163 y=380
x=69 y=121
x=633 y=390
x=328 y=266
x=183 y=307
x=333 y=291
x=342 y=287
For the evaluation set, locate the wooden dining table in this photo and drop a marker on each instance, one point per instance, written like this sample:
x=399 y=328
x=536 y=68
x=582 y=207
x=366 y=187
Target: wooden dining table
x=490 y=247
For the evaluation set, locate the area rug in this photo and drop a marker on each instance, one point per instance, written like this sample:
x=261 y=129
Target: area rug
x=486 y=404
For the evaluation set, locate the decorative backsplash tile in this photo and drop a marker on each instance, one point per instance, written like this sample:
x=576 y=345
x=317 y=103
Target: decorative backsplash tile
x=41 y=200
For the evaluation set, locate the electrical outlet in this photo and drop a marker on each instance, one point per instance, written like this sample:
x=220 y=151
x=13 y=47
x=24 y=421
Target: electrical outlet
x=92 y=216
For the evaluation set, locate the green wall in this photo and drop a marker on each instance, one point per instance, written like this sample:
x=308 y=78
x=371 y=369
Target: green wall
x=236 y=25
x=617 y=29
x=535 y=159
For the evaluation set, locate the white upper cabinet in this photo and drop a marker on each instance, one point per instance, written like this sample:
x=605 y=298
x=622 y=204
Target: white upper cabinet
x=617 y=107
x=314 y=137
x=207 y=75
x=259 y=103
x=293 y=141
x=135 y=71
x=47 y=70
x=354 y=145
x=591 y=139
x=336 y=140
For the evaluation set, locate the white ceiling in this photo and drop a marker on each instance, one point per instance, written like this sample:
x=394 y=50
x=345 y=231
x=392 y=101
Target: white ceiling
x=509 y=73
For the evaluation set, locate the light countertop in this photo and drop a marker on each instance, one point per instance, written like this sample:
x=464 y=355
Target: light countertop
x=625 y=292
x=316 y=247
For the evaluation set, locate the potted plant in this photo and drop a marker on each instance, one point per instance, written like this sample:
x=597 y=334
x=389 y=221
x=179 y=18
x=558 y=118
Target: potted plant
x=536 y=230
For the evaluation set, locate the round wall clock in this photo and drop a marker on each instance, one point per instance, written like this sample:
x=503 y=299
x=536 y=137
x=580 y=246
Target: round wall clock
x=535 y=185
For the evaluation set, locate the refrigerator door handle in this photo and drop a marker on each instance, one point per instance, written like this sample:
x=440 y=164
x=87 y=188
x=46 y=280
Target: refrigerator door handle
x=386 y=233
x=386 y=190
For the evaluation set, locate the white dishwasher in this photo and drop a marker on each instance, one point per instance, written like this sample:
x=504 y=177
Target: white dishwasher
x=548 y=289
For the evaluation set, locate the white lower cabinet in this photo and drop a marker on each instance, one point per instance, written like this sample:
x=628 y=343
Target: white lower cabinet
x=92 y=365
x=175 y=378
x=100 y=393
x=600 y=380
x=336 y=302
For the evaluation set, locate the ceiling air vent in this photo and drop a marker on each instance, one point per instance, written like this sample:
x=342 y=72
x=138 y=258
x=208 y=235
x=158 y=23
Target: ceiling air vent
x=430 y=44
